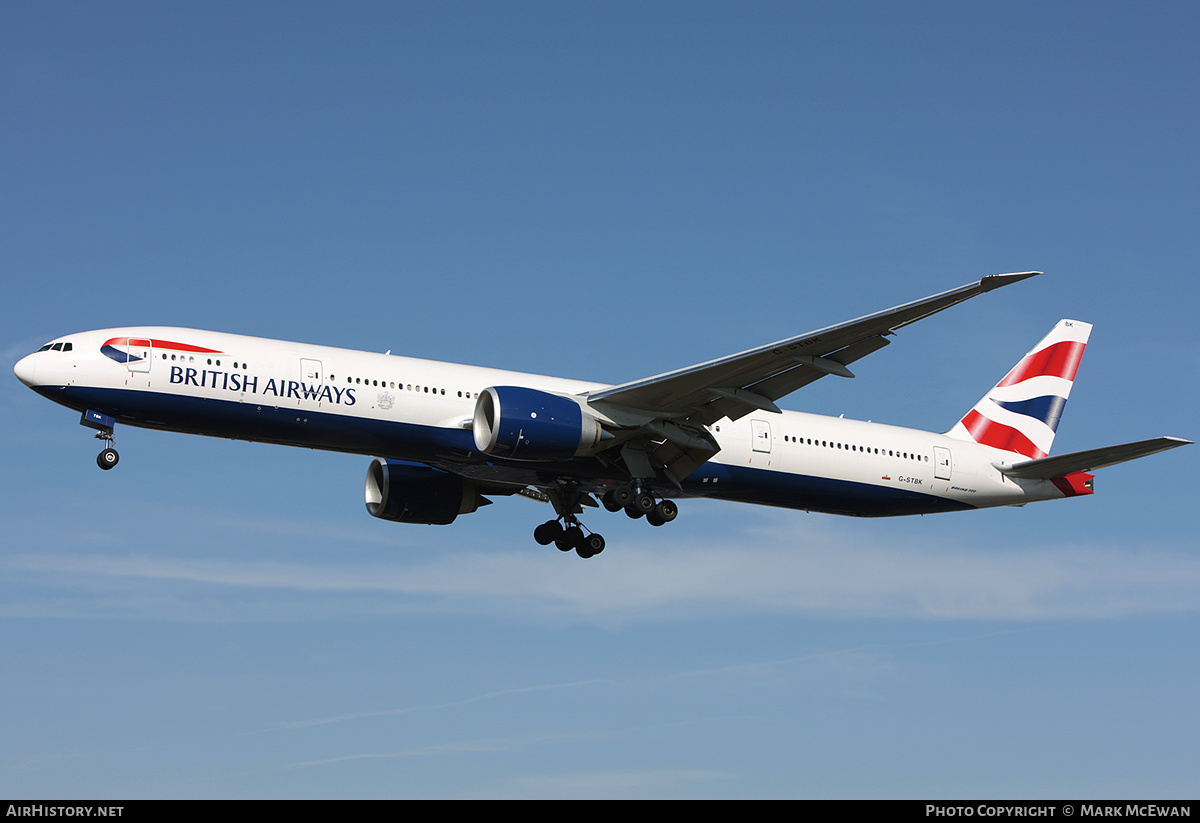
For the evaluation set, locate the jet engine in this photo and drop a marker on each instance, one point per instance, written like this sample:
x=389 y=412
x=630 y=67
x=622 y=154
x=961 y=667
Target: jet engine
x=527 y=424
x=415 y=493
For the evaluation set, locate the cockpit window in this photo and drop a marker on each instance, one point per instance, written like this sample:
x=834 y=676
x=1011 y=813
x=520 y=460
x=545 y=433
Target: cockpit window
x=56 y=347
x=66 y=346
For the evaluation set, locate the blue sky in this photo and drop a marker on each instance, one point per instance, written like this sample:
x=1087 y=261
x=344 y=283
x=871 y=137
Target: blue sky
x=601 y=191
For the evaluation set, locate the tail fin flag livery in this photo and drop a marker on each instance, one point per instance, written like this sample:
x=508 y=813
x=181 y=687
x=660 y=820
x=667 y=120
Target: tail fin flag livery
x=1021 y=412
x=446 y=437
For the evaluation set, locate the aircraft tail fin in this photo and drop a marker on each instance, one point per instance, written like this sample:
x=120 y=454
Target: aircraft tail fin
x=1021 y=412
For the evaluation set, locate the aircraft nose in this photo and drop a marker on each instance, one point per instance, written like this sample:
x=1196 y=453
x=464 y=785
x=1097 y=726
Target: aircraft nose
x=26 y=370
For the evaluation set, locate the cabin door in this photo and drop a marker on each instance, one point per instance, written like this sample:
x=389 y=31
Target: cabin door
x=942 y=463
x=310 y=373
x=138 y=354
x=760 y=433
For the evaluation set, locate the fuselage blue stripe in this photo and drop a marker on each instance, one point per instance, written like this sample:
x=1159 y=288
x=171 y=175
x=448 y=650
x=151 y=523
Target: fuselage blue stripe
x=454 y=450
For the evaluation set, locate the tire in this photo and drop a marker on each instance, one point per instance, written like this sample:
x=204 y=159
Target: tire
x=572 y=538
x=666 y=511
x=546 y=533
x=107 y=459
x=591 y=546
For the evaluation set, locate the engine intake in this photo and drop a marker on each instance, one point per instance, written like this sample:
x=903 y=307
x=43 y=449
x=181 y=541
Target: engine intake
x=527 y=424
x=415 y=493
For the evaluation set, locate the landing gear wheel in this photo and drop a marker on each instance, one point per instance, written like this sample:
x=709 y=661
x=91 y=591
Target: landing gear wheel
x=548 y=532
x=622 y=497
x=591 y=546
x=572 y=538
x=610 y=501
x=666 y=511
x=644 y=503
x=107 y=458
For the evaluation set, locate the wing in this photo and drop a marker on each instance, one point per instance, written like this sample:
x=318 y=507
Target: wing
x=735 y=385
x=671 y=409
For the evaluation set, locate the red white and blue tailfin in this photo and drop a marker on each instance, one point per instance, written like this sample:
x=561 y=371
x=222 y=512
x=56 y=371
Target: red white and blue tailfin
x=1020 y=414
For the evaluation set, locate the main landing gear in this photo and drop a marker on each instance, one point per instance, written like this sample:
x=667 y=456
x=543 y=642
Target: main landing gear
x=569 y=537
x=567 y=533
x=640 y=503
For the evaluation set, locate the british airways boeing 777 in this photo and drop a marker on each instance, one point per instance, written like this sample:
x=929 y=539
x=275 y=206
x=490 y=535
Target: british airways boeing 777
x=446 y=437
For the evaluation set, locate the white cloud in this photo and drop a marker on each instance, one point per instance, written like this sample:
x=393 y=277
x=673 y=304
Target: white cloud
x=791 y=570
x=616 y=784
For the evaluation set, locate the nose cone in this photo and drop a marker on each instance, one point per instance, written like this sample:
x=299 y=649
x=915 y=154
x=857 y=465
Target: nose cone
x=26 y=369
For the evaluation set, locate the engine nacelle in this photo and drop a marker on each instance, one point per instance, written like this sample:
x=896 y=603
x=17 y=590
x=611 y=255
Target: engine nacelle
x=415 y=493
x=527 y=424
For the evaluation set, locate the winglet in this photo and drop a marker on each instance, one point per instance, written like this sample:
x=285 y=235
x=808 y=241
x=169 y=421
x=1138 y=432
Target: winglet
x=995 y=281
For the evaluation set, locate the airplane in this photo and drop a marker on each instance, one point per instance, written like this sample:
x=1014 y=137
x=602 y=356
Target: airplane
x=446 y=437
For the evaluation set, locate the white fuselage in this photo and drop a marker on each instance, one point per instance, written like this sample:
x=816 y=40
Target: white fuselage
x=404 y=408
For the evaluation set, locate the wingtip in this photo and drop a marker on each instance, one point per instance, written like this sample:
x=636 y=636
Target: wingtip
x=995 y=281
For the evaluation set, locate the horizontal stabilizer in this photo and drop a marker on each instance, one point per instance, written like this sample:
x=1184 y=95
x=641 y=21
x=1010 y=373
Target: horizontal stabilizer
x=1090 y=460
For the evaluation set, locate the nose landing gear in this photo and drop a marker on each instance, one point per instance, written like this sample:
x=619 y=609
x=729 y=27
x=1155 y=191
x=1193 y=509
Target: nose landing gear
x=103 y=424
